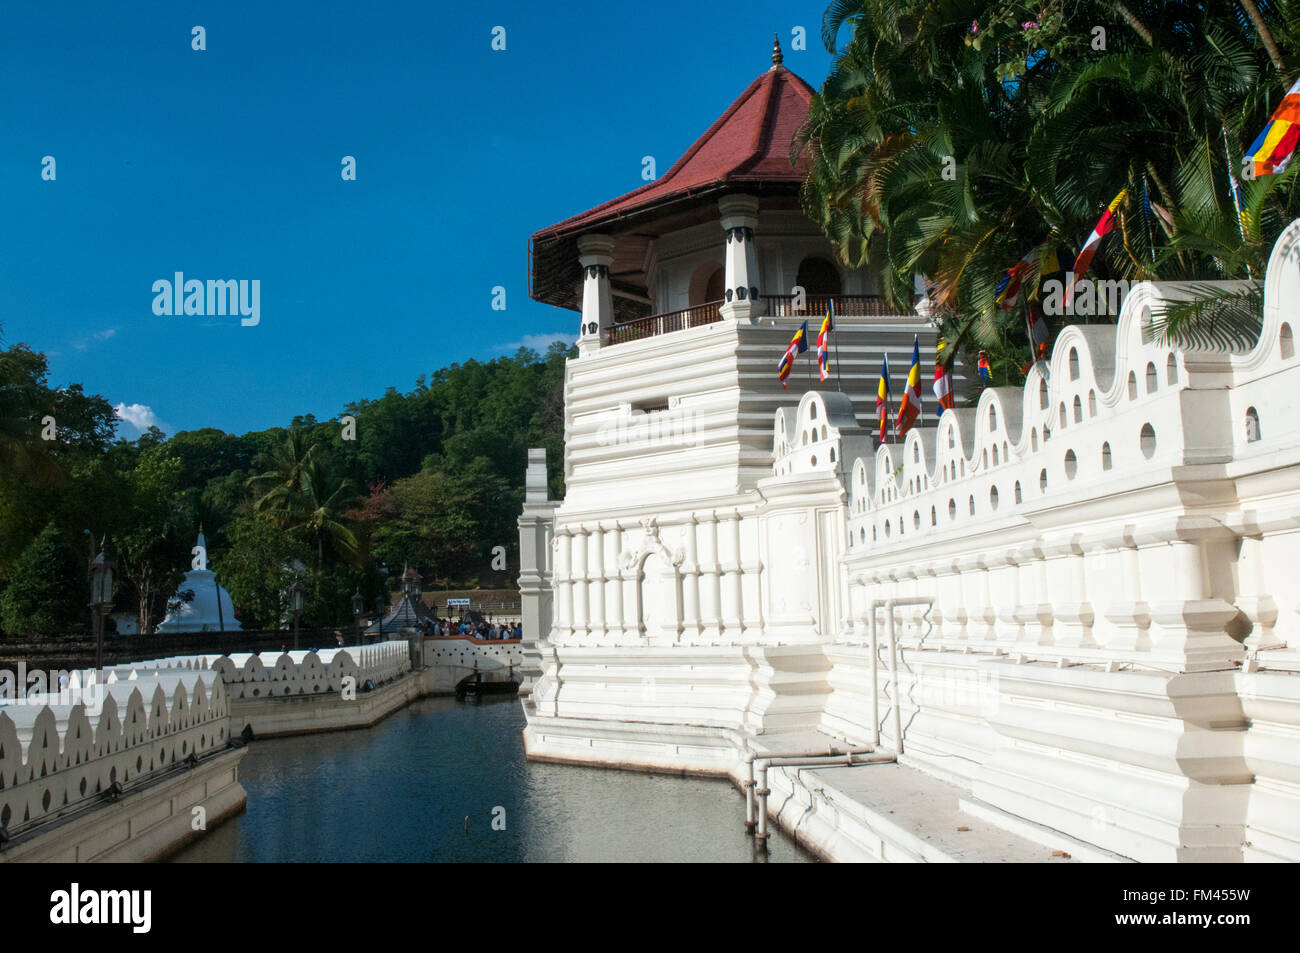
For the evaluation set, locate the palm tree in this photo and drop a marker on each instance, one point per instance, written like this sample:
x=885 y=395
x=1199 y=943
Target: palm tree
x=326 y=499
x=950 y=138
x=278 y=487
x=301 y=493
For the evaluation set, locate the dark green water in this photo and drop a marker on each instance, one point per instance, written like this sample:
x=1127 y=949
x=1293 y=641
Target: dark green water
x=401 y=791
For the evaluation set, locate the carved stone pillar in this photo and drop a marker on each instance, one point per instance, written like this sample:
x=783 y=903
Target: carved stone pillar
x=1253 y=598
x=711 y=580
x=596 y=572
x=1034 y=612
x=691 y=581
x=1190 y=632
x=732 y=609
x=563 y=582
x=595 y=254
x=578 y=554
x=1072 y=613
x=1127 y=612
x=617 y=615
x=741 y=292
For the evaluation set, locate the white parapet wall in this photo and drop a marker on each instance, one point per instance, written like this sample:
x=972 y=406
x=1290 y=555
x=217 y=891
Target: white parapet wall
x=1103 y=637
x=449 y=659
x=325 y=671
x=116 y=770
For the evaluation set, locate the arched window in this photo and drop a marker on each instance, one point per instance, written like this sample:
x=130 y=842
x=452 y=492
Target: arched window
x=817 y=276
x=706 y=283
x=1286 y=342
x=1252 y=425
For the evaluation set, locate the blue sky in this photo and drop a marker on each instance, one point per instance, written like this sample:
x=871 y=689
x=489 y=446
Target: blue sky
x=226 y=164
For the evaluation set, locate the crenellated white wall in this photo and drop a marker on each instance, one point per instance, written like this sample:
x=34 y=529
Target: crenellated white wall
x=58 y=759
x=1110 y=645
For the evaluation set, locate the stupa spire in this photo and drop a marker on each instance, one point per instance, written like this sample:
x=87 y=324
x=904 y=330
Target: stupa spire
x=777 y=58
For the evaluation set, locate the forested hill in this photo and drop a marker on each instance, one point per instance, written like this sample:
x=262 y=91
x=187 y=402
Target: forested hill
x=433 y=476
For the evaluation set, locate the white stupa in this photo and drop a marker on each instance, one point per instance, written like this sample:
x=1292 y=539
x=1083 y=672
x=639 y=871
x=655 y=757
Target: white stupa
x=210 y=609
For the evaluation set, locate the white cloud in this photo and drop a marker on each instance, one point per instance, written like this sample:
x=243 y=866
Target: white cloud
x=538 y=342
x=139 y=416
x=98 y=336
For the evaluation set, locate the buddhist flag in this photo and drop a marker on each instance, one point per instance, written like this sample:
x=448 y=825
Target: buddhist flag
x=1008 y=288
x=824 y=338
x=911 y=405
x=986 y=373
x=1105 y=225
x=942 y=388
x=882 y=399
x=1271 y=150
x=798 y=344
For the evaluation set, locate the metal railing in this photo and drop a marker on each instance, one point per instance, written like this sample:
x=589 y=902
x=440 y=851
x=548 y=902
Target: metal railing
x=848 y=306
x=656 y=324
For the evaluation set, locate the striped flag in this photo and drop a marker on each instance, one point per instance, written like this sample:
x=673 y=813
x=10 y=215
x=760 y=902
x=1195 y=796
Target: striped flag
x=798 y=344
x=1271 y=151
x=942 y=387
x=910 y=407
x=824 y=339
x=1105 y=225
x=882 y=399
x=1008 y=288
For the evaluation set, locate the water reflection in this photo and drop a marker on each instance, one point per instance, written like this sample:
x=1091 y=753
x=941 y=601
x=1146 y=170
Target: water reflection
x=402 y=790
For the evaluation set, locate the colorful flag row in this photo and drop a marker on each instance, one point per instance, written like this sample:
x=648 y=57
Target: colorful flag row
x=909 y=409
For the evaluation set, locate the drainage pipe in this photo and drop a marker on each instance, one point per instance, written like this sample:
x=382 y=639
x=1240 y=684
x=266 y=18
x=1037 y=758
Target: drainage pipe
x=847 y=759
x=889 y=606
x=748 y=784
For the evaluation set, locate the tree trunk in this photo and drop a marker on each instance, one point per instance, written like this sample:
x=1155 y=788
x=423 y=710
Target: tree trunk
x=1265 y=36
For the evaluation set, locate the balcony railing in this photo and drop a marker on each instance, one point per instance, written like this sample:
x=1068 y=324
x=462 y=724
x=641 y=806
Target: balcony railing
x=776 y=306
x=848 y=306
x=657 y=324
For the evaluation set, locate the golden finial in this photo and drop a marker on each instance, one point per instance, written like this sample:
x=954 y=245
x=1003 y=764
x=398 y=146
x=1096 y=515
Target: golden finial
x=777 y=58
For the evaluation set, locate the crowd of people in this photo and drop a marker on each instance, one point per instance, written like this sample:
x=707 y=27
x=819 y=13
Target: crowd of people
x=483 y=630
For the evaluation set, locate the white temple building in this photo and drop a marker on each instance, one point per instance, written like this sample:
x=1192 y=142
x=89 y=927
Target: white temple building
x=1067 y=612
x=200 y=604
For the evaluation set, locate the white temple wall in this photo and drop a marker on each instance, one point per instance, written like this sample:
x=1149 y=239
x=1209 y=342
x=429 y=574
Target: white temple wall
x=1112 y=637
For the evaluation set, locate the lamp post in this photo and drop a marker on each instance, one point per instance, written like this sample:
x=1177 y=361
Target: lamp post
x=296 y=593
x=358 y=607
x=101 y=599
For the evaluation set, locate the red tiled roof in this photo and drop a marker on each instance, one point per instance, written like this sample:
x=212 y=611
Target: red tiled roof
x=749 y=143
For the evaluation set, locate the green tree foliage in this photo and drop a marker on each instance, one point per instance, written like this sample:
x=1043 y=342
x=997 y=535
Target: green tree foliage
x=952 y=137
x=258 y=569
x=434 y=477
x=153 y=534
x=47 y=589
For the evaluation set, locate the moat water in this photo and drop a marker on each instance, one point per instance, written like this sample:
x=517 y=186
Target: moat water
x=403 y=789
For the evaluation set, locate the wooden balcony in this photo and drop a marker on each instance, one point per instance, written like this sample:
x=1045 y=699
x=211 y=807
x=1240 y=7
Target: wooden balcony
x=657 y=324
